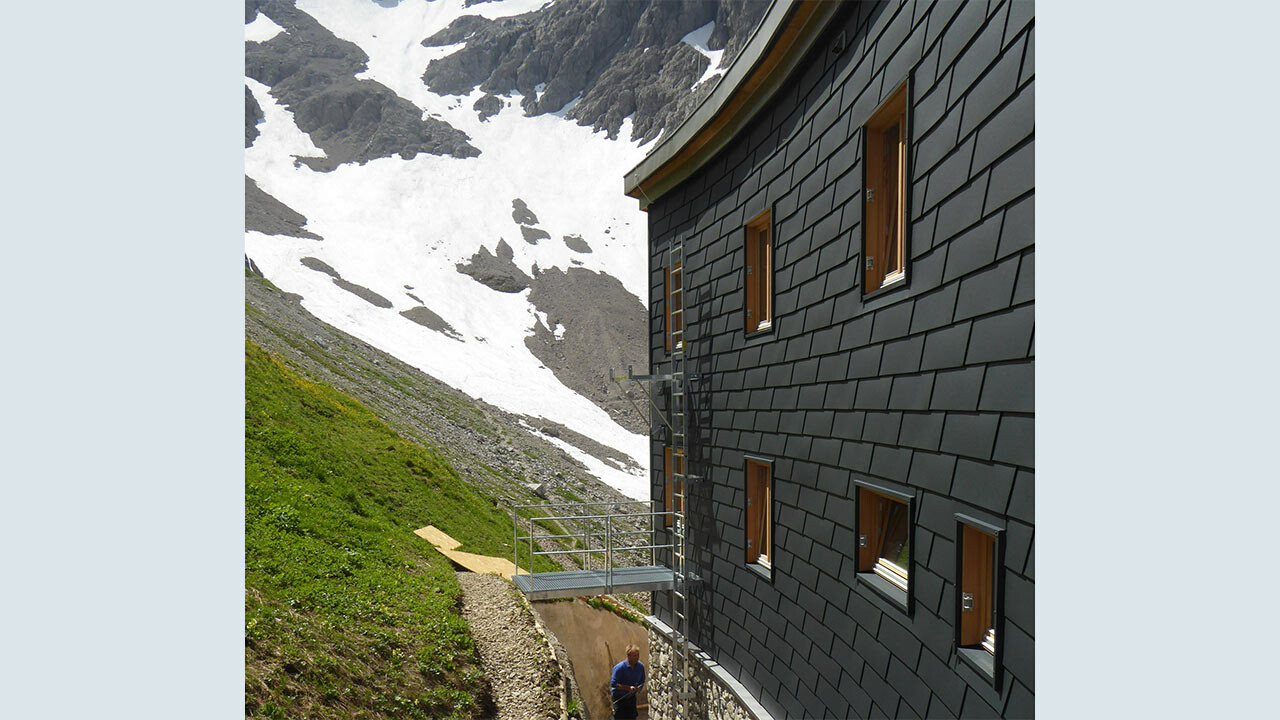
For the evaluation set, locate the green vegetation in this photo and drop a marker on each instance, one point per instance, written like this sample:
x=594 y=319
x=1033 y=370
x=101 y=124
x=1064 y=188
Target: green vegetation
x=630 y=599
x=601 y=603
x=347 y=612
x=569 y=495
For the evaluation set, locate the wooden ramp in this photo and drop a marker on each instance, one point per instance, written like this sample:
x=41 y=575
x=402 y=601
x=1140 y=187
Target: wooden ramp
x=482 y=564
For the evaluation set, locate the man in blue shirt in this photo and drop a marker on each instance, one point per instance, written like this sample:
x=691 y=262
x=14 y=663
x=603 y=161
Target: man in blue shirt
x=625 y=682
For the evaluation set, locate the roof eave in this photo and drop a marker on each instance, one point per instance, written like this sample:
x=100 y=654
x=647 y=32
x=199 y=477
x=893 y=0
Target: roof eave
x=786 y=33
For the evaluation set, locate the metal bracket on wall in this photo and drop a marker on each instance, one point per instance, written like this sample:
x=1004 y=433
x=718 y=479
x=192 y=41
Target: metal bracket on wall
x=648 y=391
x=666 y=377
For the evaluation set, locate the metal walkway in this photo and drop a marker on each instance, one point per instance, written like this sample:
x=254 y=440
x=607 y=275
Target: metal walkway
x=602 y=539
x=576 y=583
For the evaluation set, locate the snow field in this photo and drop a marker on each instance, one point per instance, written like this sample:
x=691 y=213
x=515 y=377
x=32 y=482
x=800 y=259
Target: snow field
x=394 y=222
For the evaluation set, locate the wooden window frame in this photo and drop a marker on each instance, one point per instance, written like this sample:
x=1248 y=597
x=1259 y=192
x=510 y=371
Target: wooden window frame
x=668 y=281
x=878 y=252
x=668 y=467
x=871 y=569
x=988 y=663
x=757 y=271
x=762 y=534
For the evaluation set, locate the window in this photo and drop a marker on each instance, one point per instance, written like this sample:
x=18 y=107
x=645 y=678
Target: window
x=672 y=463
x=674 y=291
x=977 y=604
x=884 y=214
x=759 y=513
x=759 y=275
x=884 y=543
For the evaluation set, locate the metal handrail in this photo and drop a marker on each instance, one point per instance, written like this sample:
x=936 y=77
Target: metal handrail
x=624 y=548
x=597 y=527
x=597 y=517
x=584 y=502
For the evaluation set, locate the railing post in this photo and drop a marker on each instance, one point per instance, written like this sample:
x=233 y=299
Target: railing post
x=653 y=535
x=515 y=540
x=608 y=552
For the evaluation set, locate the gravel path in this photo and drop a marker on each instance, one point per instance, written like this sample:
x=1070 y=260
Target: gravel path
x=526 y=680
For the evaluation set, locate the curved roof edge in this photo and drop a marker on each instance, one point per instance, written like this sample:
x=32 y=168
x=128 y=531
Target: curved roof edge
x=785 y=34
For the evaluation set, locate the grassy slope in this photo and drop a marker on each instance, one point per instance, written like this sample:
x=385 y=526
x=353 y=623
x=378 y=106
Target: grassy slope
x=347 y=613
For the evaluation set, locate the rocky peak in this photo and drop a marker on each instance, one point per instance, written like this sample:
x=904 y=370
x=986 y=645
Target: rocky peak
x=620 y=57
x=312 y=72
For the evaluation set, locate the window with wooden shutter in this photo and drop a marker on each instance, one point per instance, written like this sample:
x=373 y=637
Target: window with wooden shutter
x=978 y=595
x=977 y=590
x=884 y=217
x=758 y=272
x=759 y=513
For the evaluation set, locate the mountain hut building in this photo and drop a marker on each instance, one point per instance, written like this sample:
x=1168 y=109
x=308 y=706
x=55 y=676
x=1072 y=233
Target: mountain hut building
x=842 y=297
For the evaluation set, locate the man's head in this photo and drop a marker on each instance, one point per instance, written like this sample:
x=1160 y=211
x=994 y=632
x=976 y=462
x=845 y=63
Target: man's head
x=633 y=654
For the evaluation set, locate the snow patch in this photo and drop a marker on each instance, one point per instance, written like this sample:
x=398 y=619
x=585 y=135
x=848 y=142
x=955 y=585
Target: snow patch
x=698 y=40
x=634 y=484
x=279 y=137
x=261 y=29
x=569 y=106
x=506 y=8
x=542 y=318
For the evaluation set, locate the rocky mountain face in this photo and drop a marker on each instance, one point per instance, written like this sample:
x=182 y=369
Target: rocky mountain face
x=620 y=57
x=592 y=341
x=312 y=73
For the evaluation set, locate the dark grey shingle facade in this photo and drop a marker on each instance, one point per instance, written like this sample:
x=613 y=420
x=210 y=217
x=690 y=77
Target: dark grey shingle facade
x=927 y=388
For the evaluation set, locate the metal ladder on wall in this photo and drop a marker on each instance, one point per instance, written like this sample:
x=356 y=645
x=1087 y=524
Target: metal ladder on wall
x=680 y=665
x=682 y=680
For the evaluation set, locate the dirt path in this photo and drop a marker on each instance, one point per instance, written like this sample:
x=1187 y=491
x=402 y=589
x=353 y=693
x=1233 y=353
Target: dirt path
x=525 y=677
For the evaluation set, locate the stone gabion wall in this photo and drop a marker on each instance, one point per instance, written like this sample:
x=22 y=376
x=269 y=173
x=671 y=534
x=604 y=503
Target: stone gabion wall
x=712 y=700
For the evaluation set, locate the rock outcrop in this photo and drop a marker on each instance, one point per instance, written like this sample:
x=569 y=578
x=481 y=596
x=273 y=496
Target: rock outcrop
x=497 y=272
x=252 y=116
x=359 y=291
x=312 y=73
x=604 y=327
x=269 y=216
